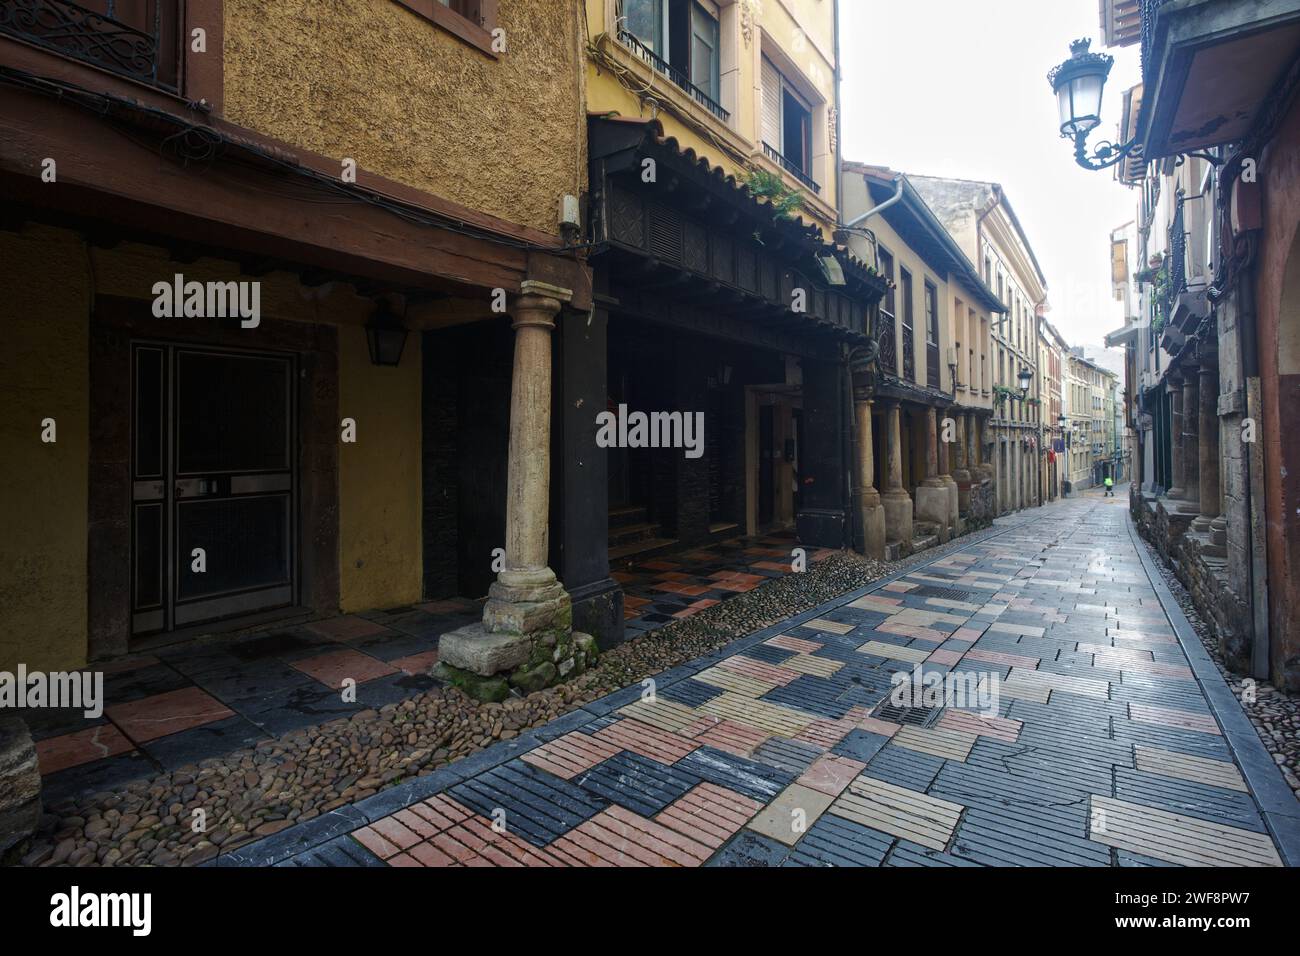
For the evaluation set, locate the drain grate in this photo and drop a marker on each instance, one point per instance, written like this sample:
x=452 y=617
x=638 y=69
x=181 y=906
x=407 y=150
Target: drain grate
x=915 y=716
x=952 y=594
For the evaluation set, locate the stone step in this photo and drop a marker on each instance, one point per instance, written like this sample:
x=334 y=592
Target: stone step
x=644 y=548
x=627 y=515
x=629 y=534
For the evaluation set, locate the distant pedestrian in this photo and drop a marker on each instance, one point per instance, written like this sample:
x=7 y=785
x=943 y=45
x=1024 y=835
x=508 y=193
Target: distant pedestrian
x=1110 y=487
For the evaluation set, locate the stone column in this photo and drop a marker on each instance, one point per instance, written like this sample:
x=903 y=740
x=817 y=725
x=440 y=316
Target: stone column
x=961 y=474
x=1175 y=439
x=870 y=511
x=1191 y=449
x=895 y=500
x=945 y=470
x=1208 y=447
x=526 y=635
x=932 y=493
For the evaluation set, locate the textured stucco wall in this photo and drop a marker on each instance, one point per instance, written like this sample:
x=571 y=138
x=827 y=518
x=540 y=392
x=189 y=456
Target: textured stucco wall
x=379 y=477
x=44 y=373
x=371 y=80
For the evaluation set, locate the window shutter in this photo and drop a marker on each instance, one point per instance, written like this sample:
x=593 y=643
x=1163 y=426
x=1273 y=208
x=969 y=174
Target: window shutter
x=771 y=127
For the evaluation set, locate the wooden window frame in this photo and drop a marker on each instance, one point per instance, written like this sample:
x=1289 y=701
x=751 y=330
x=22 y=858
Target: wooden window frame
x=475 y=34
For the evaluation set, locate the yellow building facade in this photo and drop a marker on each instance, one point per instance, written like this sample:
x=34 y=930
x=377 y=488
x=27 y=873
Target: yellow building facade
x=747 y=84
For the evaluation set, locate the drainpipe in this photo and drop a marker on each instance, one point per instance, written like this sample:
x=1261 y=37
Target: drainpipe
x=839 y=124
x=898 y=194
x=849 y=442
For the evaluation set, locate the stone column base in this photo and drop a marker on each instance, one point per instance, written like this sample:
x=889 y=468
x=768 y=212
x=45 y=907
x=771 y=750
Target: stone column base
x=954 y=502
x=873 y=530
x=963 y=479
x=20 y=783
x=932 y=505
x=525 y=640
x=897 y=506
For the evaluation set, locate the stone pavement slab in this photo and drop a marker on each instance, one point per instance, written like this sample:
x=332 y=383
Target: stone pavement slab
x=1096 y=737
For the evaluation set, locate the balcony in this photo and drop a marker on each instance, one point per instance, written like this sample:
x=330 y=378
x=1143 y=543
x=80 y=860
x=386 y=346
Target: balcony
x=662 y=66
x=1185 y=305
x=792 y=168
x=888 y=347
x=909 y=355
x=139 y=39
x=1209 y=68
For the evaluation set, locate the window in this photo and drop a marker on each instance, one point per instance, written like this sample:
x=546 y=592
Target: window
x=909 y=326
x=931 y=314
x=786 y=124
x=704 y=65
x=466 y=8
x=886 y=260
x=470 y=20
x=680 y=39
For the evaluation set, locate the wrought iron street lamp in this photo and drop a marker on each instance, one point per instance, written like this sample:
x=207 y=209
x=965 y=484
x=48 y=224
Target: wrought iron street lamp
x=1025 y=377
x=1078 y=84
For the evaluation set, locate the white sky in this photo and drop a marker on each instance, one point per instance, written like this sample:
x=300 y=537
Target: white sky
x=958 y=88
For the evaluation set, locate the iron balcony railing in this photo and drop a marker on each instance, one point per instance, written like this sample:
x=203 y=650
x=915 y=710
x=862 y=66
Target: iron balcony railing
x=1150 y=9
x=888 y=348
x=909 y=354
x=791 y=167
x=660 y=65
x=136 y=39
x=1177 y=282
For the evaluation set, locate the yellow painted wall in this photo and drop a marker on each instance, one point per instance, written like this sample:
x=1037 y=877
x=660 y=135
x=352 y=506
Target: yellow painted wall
x=371 y=80
x=46 y=278
x=379 y=477
x=44 y=372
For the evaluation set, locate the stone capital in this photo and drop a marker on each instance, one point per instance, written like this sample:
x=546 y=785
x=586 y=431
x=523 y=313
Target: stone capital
x=545 y=290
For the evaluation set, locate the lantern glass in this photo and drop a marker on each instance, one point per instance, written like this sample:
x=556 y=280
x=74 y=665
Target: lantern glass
x=1078 y=84
x=386 y=341
x=1080 y=103
x=1025 y=378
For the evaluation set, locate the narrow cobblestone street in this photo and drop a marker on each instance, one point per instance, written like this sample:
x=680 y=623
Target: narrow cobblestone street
x=1115 y=740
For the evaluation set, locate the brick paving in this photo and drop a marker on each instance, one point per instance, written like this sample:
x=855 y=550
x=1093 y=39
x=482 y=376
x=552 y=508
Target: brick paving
x=1110 y=745
x=662 y=589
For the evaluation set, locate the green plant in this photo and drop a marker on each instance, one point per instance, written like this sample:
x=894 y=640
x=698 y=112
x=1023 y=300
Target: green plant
x=767 y=185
